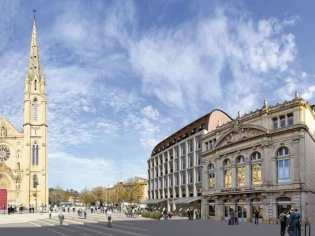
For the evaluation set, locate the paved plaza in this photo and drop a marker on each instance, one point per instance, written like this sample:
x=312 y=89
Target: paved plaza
x=96 y=224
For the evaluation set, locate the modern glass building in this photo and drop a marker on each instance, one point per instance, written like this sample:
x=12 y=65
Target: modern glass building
x=175 y=166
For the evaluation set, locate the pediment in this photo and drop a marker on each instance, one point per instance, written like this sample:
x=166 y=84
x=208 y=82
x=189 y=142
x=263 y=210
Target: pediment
x=7 y=129
x=239 y=133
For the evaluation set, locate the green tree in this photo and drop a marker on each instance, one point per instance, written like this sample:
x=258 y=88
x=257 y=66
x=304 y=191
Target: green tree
x=99 y=194
x=86 y=196
x=57 y=195
x=134 y=190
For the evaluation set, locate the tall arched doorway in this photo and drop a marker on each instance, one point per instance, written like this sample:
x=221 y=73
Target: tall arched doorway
x=283 y=205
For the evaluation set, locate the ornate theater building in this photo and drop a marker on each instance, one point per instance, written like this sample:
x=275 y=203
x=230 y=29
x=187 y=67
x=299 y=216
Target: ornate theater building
x=23 y=154
x=263 y=161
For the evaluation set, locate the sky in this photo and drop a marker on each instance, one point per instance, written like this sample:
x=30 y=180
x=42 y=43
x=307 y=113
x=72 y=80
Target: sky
x=124 y=75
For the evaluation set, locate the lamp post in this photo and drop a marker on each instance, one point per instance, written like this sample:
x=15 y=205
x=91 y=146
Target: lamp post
x=36 y=183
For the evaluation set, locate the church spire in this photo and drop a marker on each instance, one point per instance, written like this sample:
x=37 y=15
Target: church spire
x=34 y=60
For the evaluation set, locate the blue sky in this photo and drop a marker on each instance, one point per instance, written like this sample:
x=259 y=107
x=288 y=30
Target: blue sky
x=124 y=75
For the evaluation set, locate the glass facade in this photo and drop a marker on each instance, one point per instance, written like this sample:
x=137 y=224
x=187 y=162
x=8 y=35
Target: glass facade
x=283 y=170
x=256 y=174
x=241 y=176
x=228 y=178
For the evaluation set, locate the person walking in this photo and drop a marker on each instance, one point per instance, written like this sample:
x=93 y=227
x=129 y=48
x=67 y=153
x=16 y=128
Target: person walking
x=236 y=217
x=49 y=213
x=61 y=218
x=232 y=219
x=297 y=223
x=165 y=214
x=109 y=217
x=256 y=217
x=290 y=223
x=3 y=208
x=283 y=223
x=84 y=214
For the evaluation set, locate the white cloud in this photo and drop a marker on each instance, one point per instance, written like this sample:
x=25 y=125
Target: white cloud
x=183 y=66
x=150 y=112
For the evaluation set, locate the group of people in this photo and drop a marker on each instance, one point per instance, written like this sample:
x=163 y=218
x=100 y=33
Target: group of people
x=191 y=212
x=234 y=217
x=13 y=208
x=290 y=222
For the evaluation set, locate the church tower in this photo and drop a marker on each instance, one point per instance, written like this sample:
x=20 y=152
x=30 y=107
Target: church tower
x=35 y=128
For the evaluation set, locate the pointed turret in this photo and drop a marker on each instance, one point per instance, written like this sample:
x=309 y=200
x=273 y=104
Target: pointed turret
x=34 y=61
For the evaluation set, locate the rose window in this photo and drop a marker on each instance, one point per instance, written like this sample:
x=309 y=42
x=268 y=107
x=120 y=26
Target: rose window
x=4 y=153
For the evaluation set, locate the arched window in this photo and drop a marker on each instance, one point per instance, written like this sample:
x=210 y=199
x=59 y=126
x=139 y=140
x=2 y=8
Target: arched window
x=35 y=84
x=35 y=110
x=256 y=168
x=211 y=176
x=227 y=171
x=35 y=154
x=35 y=181
x=241 y=171
x=283 y=165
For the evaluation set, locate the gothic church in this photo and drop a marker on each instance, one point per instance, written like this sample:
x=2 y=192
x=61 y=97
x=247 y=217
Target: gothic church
x=23 y=154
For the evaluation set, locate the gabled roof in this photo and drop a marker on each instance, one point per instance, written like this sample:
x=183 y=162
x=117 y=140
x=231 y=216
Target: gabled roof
x=11 y=130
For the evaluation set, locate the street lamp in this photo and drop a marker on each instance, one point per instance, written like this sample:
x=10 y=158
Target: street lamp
x=36 y=183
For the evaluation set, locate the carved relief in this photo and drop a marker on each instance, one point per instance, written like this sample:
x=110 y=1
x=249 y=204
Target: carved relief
x=238 y=134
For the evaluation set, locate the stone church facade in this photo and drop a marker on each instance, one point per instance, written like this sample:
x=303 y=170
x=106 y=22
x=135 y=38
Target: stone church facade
x=262 y=161
x=23 y=154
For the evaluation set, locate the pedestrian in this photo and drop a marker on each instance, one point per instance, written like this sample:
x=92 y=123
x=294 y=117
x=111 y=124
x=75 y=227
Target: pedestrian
x=68 y=209
x=3 y=208
x=73 y=209
x=188 y=213
x=288 y=224
x=165 y=214
x=61 y=218
x=109 y=217
x=291 y=225
x=49 y=213
x=236 y=217
x=232 y=216
x=256 y=217
x=283 y=223
x=84 y=214
x=297 y=223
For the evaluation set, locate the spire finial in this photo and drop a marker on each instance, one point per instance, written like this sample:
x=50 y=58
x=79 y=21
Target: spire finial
x=296 y=95
x=34 y=10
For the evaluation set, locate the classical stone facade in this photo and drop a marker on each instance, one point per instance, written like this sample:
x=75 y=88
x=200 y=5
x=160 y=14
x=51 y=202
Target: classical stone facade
x=175 y=167
x=263 y=161
x=23 y=154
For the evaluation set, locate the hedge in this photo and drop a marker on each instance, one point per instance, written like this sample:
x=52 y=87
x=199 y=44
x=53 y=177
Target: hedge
x=152 y=215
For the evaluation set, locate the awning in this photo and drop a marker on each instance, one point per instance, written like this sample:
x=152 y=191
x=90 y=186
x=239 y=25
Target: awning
x=180 y=200
x=192 y=199
x=153 y=201
x=186 y=200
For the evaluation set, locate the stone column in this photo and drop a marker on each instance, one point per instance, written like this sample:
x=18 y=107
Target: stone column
x=274 y=171
x=297 y=158
x=248 y=181
x=204 y=208
x=234 y=177
x=249 y=210
x=219 y=210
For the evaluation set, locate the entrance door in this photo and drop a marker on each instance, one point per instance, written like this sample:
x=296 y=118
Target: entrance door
x=3 y=198
x=283 y=208
x=242 y=213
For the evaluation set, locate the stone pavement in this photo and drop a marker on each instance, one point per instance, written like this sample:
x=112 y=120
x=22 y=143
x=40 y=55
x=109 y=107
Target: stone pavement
x=96 y=224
